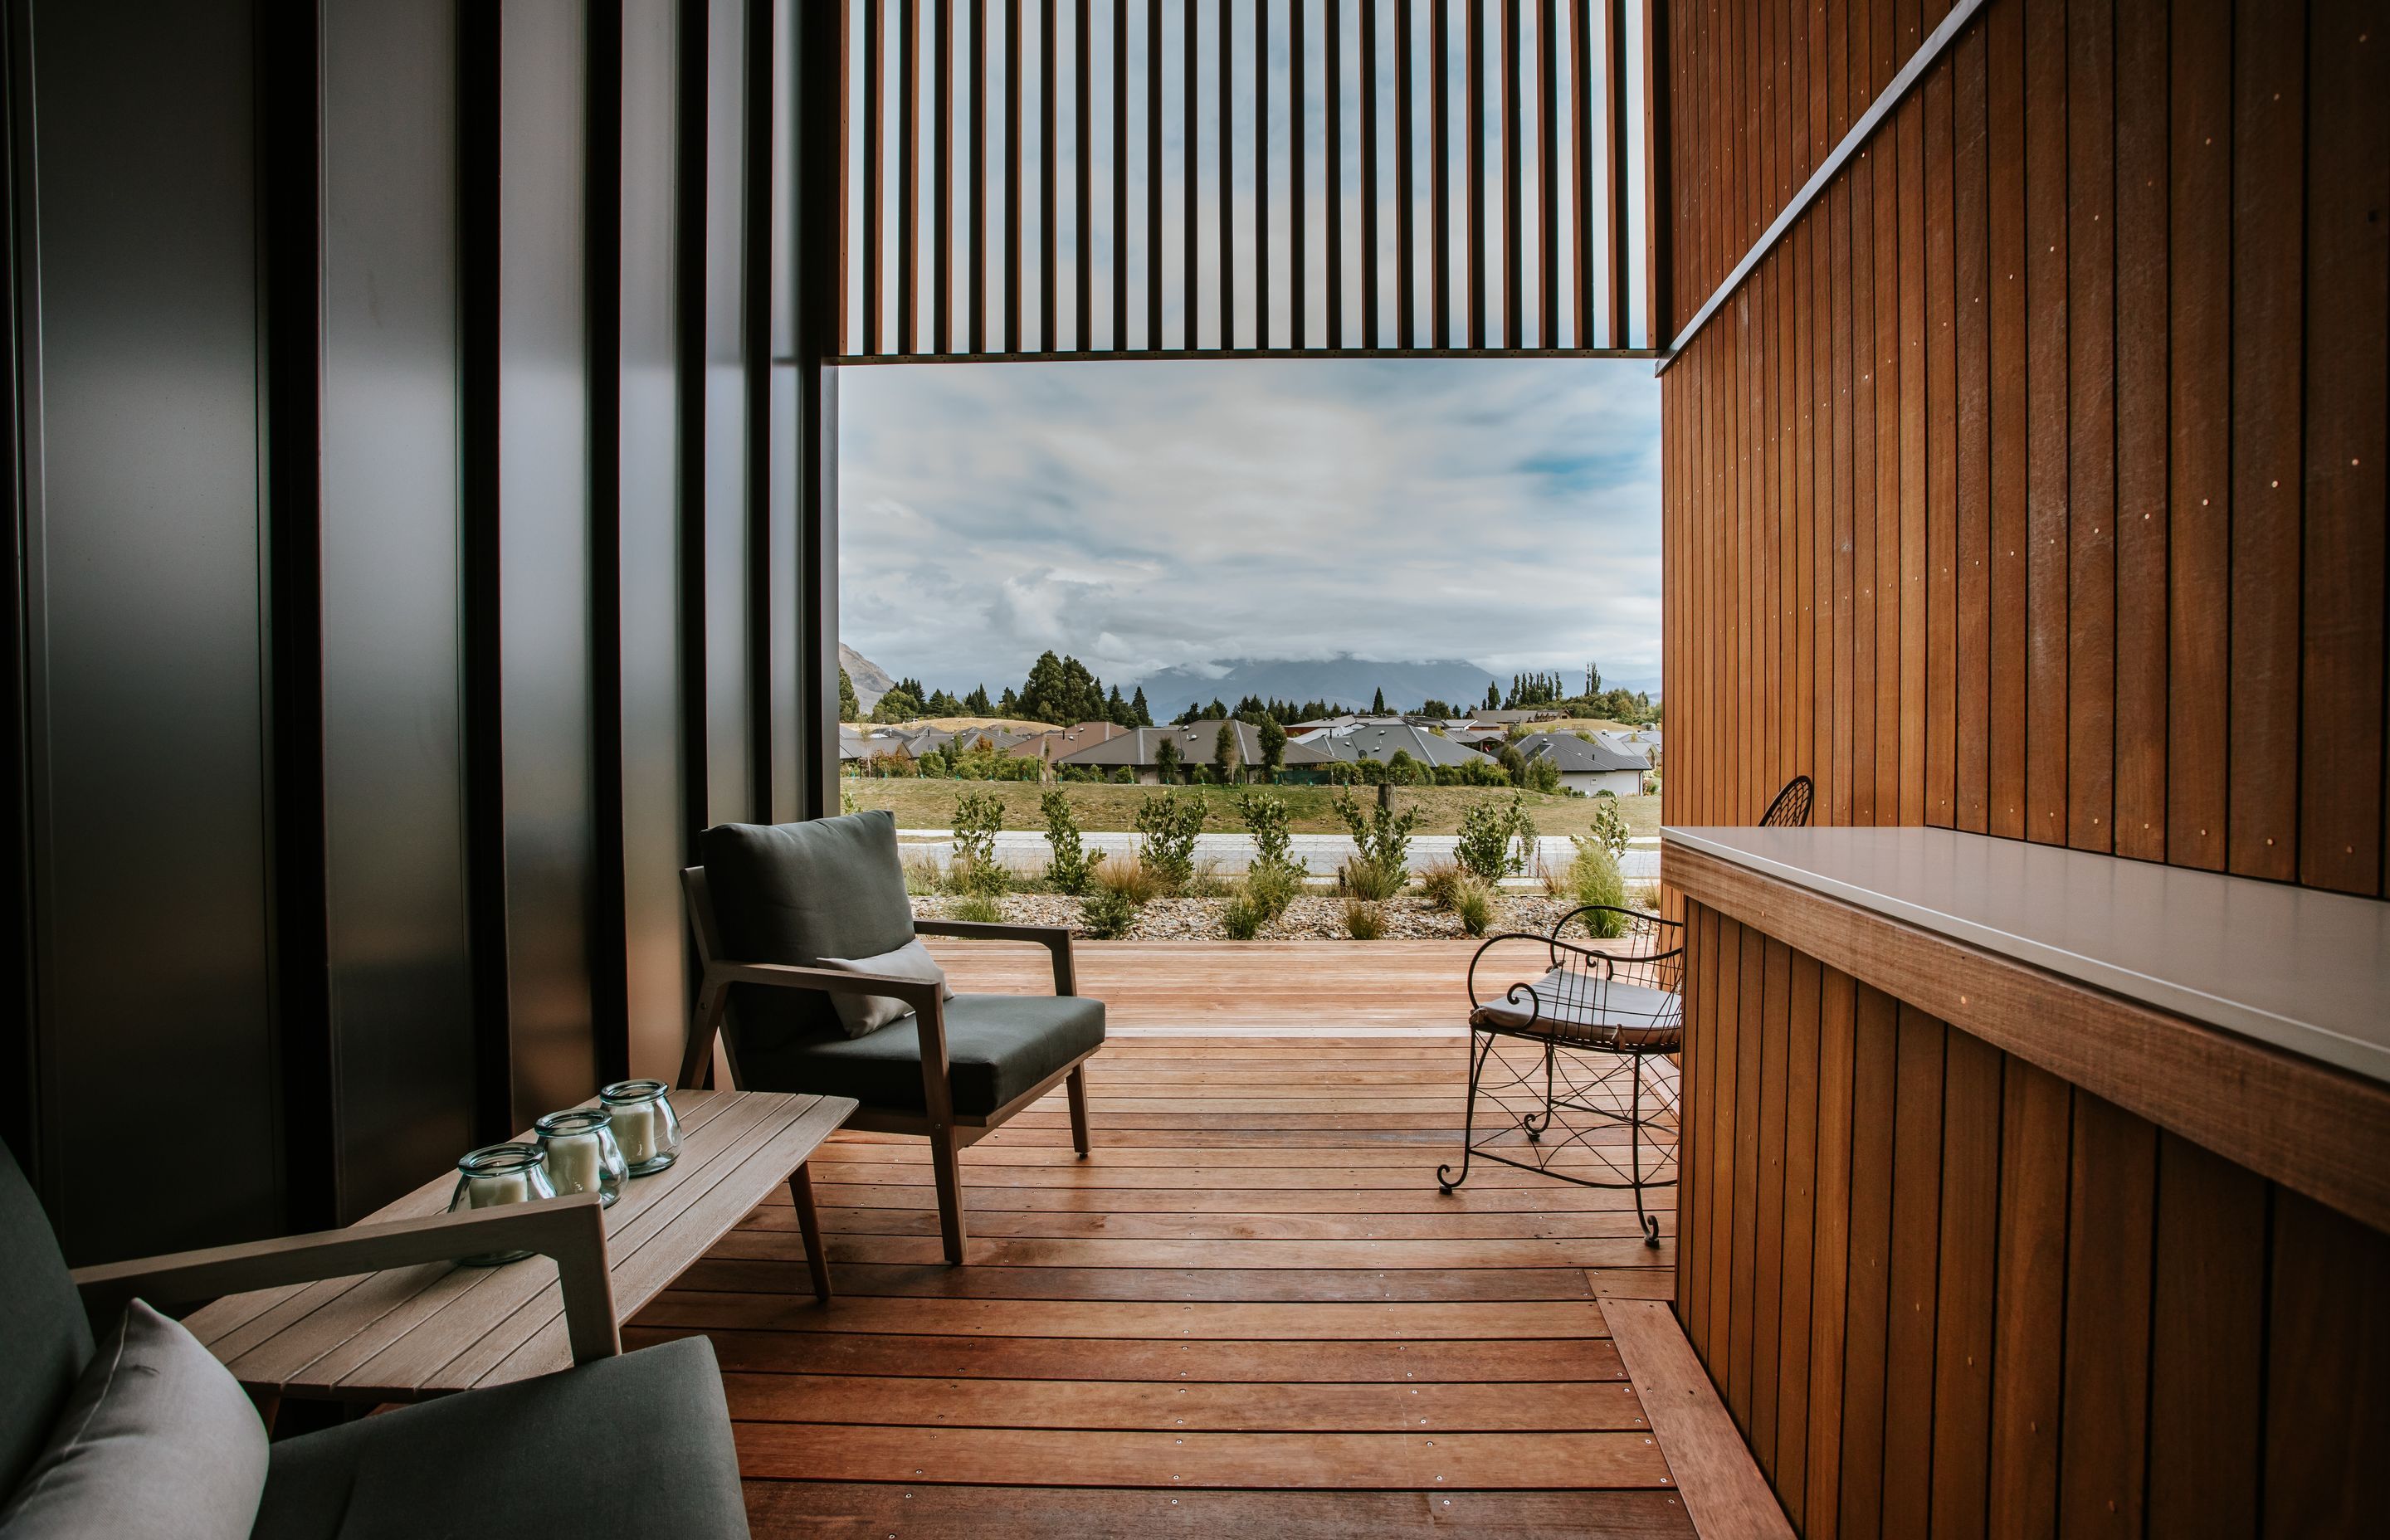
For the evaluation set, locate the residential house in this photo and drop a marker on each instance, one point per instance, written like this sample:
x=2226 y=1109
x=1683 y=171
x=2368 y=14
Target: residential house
x=1139 y=750
x=1381 y=740
x=1587 y=764
x=1064 y=741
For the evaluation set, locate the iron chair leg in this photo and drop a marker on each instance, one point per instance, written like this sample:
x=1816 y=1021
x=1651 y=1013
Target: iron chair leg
x=1443 y=1176
x=1650 y=1223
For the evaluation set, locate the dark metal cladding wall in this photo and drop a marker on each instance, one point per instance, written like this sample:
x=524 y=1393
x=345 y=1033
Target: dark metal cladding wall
x=400 y=593
x=145 y=648
x=398 y=957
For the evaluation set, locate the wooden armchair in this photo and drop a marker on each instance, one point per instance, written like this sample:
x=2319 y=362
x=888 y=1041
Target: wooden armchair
x=952 y=1071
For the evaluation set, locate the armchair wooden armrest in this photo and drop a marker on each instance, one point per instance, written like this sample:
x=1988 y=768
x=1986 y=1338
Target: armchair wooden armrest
x=570 y=1229
x=1054 y=938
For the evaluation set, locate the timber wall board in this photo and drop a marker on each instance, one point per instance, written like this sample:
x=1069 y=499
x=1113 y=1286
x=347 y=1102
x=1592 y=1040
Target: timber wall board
x=1942 y=1291
x=391 y=571
x=2033 y=484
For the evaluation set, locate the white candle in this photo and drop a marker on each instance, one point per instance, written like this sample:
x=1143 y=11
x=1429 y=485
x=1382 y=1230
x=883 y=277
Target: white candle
x=635 y=1130
x=505 y=1186
x=572 y=1163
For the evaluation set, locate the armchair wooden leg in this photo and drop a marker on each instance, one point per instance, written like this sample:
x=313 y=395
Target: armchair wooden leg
x=946 y=1165
x=801 y=1187
x=1077 y=1086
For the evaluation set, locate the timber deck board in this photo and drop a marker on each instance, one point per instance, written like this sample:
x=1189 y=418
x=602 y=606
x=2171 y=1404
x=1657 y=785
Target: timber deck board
x=1252 y=1313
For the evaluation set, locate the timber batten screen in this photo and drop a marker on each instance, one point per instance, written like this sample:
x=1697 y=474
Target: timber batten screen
x=1247 y=178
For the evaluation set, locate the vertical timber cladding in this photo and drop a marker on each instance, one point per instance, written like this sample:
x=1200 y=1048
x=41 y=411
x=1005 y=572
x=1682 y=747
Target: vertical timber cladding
x=2032 y=483
x=2000 y=1304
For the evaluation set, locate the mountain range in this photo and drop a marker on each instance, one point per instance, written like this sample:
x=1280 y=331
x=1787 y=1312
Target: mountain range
x=870 y=681
x=1344 y=681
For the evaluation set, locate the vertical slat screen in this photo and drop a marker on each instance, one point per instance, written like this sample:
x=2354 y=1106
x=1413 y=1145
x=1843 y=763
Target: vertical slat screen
x=1017 y=192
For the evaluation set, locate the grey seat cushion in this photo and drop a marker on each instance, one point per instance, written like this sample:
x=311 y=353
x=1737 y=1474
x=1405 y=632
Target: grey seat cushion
x=1576 y=1008
x=795 y=894
x=998 y=1046
x=158 y=1442
x=637 y=1446
x=45 y=1341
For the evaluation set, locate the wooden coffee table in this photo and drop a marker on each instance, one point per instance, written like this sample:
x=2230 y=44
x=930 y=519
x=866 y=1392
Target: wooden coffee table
x=409 y=1333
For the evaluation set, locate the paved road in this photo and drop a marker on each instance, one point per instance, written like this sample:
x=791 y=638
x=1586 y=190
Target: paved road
x=1320 y=854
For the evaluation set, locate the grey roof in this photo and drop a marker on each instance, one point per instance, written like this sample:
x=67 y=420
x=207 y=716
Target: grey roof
x=1381 y=740
x=1575 y=756
x=1195 y=742
x=1641 y=742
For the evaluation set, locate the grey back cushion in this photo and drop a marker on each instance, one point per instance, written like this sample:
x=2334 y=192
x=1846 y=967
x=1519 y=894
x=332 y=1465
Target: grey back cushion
x=44 y=1339
x=796 y=894
x=157 y=1442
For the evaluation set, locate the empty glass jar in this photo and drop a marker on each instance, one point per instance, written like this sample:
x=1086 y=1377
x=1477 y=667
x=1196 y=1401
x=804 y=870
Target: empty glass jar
x=644 y=1125
x=496 y=1174
x=582 y=1153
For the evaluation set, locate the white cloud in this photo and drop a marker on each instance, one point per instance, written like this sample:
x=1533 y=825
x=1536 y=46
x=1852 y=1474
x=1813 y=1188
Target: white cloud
x=1143 y=515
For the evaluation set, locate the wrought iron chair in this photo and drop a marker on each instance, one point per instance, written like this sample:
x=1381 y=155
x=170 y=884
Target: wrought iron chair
x=1791 y=808
x=1606 y=1007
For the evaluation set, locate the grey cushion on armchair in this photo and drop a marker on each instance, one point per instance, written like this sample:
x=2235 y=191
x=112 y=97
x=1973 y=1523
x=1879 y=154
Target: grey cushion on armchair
x=637 y=1446
x=795 y=894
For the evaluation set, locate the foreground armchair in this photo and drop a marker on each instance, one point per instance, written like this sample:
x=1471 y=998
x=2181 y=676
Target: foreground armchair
x=802 y=930
x=151 y=1436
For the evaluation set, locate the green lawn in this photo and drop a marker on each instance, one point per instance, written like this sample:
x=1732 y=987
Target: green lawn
x=931 y=804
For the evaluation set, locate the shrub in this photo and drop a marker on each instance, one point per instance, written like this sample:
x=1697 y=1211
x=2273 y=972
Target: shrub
x=1369 y=880
x=1495 y=840
x=1266 y=816
x=1133 y=880
x=979 y=817
x=1107 y=913
x=1473 y=902
x=1383 y=837
x=1071 y=866
x=1609 y=827
x=1169 y=821
x=1123 y=775
x=979 y=909
x=1205 y=882
x=1363 y=921
x=1594 y=878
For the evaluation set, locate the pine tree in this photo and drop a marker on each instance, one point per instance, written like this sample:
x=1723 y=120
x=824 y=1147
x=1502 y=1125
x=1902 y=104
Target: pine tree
x=1117 y=712
x=977 y=702
x=849 y=708
x=1139 y=713
x=1493 y=697
x=1377 y=703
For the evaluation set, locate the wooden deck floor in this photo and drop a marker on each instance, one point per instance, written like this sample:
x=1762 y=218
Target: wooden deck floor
x=1250 y=1313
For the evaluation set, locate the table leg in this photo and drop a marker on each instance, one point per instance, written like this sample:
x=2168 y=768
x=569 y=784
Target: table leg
x=801 y=1187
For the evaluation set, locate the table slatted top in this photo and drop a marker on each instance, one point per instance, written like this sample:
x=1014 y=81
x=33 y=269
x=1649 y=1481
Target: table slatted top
x=411 y=1332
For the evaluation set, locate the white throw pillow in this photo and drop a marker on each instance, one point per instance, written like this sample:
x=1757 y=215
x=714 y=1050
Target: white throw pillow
x=158 y=1442
x=864 y=1014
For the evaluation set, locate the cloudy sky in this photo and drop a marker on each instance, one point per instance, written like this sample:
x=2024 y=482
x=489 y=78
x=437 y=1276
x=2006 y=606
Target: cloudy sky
x=1144 y=515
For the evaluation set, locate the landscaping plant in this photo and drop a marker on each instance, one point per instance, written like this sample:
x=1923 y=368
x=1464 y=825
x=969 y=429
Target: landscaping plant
x=1266 y=818
x=1609 y=827
x=1473 y=902
x=1107 y=913
x=1169 y=823
x=979 y=817
x=1594 y=878
x=1495 y=842
x=979 y=909
x=1383 y=840
x=1071 y=866
x=1363 y=921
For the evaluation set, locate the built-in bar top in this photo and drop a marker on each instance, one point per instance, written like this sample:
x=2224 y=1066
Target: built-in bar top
x=2296 y=968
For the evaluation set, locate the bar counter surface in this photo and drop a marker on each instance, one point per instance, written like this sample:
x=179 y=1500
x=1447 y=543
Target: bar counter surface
x=2297 y=967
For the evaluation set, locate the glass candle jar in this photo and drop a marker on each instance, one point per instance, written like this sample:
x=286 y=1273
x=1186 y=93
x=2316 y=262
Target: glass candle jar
x=644 y=1125
x=496 y=1174
x=582 y=1154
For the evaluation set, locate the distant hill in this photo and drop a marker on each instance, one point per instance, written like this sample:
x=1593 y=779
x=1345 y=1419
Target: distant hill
x=870 y=681
x=1347 y=681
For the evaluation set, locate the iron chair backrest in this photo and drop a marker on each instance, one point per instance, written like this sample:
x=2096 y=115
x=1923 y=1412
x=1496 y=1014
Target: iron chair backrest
x=1791 y=808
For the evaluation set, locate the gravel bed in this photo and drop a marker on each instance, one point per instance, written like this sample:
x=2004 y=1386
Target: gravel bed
x=1307 y=918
